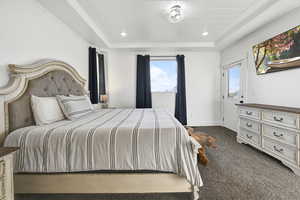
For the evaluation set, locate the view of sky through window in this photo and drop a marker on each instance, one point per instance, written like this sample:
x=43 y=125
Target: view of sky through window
x=163 y=75
x=234 y=81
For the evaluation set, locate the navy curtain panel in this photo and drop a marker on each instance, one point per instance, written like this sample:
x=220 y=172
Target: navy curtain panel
x=143 y=83
x=93 y=82
x=102 y=89
x=180 y=102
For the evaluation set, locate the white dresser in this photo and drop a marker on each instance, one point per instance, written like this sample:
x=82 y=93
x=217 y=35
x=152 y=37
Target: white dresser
x=272 y=129
x=6 y=173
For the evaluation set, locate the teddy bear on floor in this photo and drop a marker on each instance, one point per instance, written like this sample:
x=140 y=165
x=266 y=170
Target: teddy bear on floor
x=206 y=141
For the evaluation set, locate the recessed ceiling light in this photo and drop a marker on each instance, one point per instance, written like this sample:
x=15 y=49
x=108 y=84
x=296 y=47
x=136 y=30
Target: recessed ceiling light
x=123 y=34
x=205 y=33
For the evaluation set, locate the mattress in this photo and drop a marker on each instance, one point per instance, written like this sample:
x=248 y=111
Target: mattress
x=108 y=139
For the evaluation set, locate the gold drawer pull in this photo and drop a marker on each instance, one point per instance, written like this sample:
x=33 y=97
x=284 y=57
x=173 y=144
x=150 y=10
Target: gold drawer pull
x=278 y=150
x=277 y=135
x=249 y=136
x=278 y=119
x=249 y=113
x=249 y=125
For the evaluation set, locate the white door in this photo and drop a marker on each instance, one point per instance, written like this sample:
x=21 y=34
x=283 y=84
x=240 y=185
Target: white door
x=233 y=92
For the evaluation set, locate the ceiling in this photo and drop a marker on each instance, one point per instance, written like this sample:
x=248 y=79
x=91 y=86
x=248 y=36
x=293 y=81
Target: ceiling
x=147 y=20
x=147 y=25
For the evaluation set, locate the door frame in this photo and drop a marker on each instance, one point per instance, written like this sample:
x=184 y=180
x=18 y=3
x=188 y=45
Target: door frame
x=244 y=83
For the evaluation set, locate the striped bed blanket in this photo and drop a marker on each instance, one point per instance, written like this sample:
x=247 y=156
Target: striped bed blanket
x=108 y=139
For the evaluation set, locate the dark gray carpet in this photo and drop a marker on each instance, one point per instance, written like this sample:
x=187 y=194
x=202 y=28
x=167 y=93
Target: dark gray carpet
x=238 y=171
x=235 y=171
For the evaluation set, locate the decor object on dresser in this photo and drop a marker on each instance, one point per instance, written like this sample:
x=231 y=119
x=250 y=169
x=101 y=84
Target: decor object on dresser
x=272 y=129
x=6 y=173
x=279 y=53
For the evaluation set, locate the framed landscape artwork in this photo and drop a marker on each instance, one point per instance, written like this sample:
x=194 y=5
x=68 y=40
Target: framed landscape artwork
x=279 y=53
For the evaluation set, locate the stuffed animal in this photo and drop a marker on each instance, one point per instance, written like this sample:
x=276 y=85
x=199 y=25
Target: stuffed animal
x=206 y=141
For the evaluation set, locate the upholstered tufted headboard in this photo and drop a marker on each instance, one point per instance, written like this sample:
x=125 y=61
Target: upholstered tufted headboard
x=45 y=78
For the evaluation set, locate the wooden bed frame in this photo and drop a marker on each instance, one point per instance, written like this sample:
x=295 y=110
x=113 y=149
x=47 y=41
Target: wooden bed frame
x=77 y=183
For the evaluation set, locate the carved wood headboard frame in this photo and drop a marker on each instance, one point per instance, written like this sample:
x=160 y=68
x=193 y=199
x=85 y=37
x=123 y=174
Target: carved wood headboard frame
x=20 y=75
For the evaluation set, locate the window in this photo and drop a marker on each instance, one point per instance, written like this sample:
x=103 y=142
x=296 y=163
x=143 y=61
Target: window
x=163 y=75
x=234 y=74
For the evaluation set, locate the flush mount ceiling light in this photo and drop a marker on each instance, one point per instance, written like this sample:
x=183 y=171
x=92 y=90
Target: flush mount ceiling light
x=123 y=34
x=175 y=14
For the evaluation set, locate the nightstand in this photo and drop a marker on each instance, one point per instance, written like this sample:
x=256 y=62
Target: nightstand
x=6 y=173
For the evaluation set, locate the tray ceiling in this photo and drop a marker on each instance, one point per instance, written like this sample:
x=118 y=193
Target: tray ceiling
x=146 y=21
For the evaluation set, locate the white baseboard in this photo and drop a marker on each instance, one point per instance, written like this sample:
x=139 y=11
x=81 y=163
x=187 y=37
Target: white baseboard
x=206 y=123
x=230 y=128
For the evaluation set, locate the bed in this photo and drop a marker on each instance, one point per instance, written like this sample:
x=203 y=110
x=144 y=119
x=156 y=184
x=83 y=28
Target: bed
x=109 y=150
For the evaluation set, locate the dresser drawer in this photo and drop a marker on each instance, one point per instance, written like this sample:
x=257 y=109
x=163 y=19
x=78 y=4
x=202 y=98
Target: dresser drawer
x=284 y=119
x=250 y=125
x=249 y=112
x=253 y=138
x=284 y=151
x=283 y=135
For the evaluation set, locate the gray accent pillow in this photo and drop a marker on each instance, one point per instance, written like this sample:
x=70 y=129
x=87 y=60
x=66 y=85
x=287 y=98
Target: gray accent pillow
x=75 y=107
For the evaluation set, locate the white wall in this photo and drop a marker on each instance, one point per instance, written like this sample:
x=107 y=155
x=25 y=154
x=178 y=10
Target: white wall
x=165 y=100
x=29 y=32
x=121 y=78
x=202 y=83
x=203 y=88
x=280 y=88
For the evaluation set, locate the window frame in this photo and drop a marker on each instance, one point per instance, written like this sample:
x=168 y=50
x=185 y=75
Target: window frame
x=163 y=58
x=238 y=65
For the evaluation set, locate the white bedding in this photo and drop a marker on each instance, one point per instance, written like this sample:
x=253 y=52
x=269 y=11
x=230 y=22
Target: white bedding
x=108 y=139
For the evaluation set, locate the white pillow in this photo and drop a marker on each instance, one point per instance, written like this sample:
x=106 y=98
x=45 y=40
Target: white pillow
x=46 y=110
x=75 y=107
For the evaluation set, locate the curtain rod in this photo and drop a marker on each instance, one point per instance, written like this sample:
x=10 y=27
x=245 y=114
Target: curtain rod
x=98 y=50
x=162 y=56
